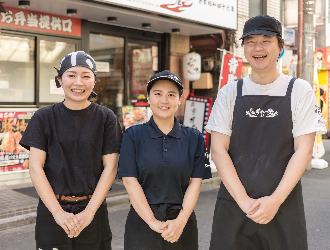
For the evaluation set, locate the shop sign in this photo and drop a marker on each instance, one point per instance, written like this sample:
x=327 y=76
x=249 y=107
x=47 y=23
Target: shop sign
x=289 y=37
x=197 y=112
x=231 y=69
x=322 y=58
x=38 y=21
x=13 y=123
x=221 y=13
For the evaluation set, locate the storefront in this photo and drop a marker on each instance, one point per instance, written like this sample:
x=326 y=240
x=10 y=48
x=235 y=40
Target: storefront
x=130 y=40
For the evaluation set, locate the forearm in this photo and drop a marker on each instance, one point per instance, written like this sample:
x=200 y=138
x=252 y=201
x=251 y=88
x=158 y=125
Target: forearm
x=138 y=199
x=190 y=198
x=105 y=182
x=296 y=167
x=43 y=188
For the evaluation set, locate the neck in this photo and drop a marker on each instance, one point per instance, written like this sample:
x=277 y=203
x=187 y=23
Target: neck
x=165 y=125
x=264 y=78
x=76 y=105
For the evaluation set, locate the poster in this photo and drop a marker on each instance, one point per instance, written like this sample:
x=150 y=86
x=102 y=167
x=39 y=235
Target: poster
x=13 y=123
x=231 y=69
x=322 y=58
x=135 y=115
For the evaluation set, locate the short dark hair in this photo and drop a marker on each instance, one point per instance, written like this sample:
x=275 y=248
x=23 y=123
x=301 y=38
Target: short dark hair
x=280 y=41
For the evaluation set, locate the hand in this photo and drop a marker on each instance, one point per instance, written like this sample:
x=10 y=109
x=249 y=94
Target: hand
x=157 y=226
x=264 y=209
x=84 y=218
x=173 y=229
x=68 y=222
x=246 y=205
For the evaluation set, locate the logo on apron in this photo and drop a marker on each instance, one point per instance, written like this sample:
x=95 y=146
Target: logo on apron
x=261 y=113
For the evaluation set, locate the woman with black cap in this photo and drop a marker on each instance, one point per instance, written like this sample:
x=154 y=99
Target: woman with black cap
x=74 y=148
x=162 y=164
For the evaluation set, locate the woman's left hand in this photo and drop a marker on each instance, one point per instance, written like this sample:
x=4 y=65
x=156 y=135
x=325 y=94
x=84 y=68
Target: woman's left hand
x=174 y=229
x=85 y=218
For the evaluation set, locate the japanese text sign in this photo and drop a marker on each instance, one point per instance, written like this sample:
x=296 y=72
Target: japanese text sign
x=232 y=69
x=37 y=21
x=220 y=13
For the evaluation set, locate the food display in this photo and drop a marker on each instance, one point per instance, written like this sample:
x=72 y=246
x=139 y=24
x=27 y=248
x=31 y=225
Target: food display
x=135 y=115
x=13 y=156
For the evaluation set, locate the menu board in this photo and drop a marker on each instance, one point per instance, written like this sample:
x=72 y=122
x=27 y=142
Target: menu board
x=13 y=123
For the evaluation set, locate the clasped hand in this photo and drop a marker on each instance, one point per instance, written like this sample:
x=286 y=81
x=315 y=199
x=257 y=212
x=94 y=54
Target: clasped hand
x=73 y=224
x=261 y=210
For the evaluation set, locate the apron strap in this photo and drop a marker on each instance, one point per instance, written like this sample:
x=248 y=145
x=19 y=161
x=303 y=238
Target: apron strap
x=239 y=87
x=289 y=89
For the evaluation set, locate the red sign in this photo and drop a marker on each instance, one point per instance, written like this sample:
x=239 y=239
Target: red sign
x=322 y=58
x=38 y=21
x=231 y=69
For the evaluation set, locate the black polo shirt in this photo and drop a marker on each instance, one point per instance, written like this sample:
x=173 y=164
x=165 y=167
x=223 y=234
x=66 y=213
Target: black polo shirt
x=163 y=164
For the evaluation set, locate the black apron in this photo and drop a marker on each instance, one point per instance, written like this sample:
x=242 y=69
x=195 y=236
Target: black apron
x=261 y=146
x=139 y=236
x=49 y=235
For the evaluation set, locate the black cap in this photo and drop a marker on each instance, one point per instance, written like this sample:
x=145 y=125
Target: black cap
x=165 y=75
x=262 y=25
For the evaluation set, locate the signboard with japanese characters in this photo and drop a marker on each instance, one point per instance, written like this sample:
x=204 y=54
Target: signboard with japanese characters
x=231 y=69
x=197 y=112
x=220 y=13
x=38 y=21
x=13 y=123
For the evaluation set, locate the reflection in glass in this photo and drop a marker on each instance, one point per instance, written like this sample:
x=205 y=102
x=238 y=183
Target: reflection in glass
x=17 y=69
x=51 y=54
x=108 y=53
x=143 y=63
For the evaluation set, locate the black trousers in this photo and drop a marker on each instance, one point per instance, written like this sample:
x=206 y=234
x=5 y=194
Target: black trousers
x=139 y=236
x=49 y=235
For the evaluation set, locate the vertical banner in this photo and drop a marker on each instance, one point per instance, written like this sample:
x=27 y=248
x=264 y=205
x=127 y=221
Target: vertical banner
x=13 y=123
x=231 y=69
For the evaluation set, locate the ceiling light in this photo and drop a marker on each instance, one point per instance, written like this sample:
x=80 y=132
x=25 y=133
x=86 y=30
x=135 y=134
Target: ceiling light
x=71 y=12
x=112 y=19
x=146 y=25
x=176 y=31
x=24 y=4
x=2 y=9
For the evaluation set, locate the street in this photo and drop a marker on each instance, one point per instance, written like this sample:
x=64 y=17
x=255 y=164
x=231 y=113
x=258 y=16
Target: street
x=316 y=184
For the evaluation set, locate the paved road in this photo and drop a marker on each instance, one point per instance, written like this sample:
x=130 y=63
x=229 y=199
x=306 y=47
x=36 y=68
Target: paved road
x=316 y=186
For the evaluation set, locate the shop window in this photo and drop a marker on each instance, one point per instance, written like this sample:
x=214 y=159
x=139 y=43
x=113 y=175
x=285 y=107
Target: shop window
x=256 y=7
x=51 y=54
x=17 y=69
x=108 y=53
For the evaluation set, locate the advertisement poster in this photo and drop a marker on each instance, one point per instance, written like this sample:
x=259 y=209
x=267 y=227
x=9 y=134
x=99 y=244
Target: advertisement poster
x=322 y=58
x=13 y=157
x=135 y=115
x=231 y=69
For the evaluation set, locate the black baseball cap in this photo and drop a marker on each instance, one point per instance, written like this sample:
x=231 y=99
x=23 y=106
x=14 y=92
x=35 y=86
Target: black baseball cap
x=165 y=75
x=262 y=25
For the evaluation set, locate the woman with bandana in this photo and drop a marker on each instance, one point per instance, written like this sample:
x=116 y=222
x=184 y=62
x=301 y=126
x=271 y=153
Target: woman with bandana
x=74 y=148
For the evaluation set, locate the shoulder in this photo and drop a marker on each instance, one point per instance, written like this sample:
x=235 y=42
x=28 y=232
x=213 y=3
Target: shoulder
x=193 y=133
x=136 y=130
x=46 y=111
x=229 y=88
x=301 y=87
x=103 y=112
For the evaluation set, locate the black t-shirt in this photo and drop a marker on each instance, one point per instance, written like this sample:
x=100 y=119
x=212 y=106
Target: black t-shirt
x=75 y=141
x=163 y=164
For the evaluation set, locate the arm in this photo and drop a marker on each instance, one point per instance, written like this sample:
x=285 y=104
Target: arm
x=66 y=220
x=269 y=205
x=140 y=203
x=110 y=163
x=175 y=227
x=227 y=172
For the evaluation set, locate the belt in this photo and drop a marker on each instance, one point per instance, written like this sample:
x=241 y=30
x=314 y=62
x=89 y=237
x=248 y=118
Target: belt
x=72 y=198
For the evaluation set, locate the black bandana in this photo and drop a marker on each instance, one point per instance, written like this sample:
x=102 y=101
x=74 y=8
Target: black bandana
x=78 y=58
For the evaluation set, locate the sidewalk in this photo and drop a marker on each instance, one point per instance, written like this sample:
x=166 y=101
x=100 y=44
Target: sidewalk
x=19 y=203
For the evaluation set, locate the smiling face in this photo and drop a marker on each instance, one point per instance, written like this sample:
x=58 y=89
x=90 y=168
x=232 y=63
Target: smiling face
x=262 y=52
x=77 y=83
x=164 y=99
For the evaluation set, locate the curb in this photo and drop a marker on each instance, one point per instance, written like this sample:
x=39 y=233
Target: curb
x=26 y=219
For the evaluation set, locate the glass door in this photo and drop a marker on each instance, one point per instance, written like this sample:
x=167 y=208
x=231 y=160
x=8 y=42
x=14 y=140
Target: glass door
x=142 y=64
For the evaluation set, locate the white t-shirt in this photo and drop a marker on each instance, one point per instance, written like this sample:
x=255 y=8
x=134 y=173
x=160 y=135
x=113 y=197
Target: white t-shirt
x=306 y=115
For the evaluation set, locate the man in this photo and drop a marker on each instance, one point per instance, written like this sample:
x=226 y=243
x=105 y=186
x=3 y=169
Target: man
x=263 y=129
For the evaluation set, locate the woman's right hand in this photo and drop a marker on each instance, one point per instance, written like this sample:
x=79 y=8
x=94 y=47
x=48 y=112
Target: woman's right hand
x=245 y=205
x=68 y=222
x=156 y=226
